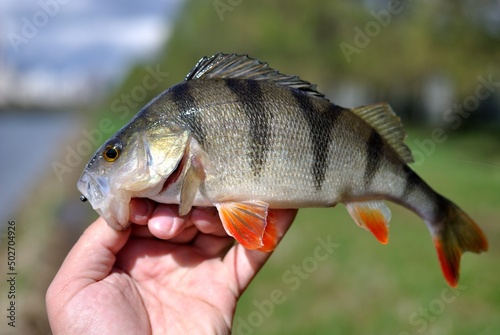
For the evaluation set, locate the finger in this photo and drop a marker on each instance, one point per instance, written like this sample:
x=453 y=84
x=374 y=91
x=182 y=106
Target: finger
x=138 y=257
x=183 y=237
x=91 y=259
x=165 y=222
x=207 y=220
x=141 y=231
x=186 y=236
x=213 y=246
x=244 y=264
x=141 y=210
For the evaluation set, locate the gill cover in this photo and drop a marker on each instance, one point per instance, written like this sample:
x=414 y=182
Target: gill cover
x=163 y=150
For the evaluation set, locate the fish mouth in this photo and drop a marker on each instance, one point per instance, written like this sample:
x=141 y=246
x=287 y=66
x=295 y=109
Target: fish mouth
x=93 y=189
x=112 y=206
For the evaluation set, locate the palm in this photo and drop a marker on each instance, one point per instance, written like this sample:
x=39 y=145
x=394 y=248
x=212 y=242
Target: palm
x=181 y=284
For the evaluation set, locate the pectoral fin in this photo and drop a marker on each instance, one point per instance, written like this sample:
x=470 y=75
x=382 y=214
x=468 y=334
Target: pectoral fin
x=193 y=178
x=373 y=216
x=247 y=223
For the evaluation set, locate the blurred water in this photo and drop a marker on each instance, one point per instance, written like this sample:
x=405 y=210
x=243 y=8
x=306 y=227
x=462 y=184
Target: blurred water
x=29 y=143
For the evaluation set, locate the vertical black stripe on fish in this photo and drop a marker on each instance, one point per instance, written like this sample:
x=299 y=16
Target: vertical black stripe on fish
x=188 y=112
x=412 y=181
x=250 y=95
x=320 y=127
x=374 y=148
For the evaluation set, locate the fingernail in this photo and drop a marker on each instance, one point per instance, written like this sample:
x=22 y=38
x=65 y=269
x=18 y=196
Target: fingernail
x=165 y=222
x=160 y=224
x=140 y=210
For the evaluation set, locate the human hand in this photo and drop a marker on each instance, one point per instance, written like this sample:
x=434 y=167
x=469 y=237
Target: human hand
x=165 y=274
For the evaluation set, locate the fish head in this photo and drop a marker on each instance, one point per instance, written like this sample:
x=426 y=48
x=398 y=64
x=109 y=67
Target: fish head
x=133 y=163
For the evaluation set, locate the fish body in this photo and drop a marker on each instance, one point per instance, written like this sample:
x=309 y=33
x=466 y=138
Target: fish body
x=289 y=155
x=242 y=137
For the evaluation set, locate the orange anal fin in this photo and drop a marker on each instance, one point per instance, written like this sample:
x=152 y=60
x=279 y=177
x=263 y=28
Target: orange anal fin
x=246 y=222
x=456 y=234
x=373 y=216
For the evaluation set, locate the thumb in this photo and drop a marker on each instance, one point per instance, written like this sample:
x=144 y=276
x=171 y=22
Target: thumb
x=90 y=260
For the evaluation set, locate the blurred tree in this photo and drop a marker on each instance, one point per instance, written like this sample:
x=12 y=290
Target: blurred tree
x=392 y=47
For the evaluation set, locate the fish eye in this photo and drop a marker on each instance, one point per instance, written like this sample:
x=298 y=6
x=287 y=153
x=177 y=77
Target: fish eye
x=111 y=153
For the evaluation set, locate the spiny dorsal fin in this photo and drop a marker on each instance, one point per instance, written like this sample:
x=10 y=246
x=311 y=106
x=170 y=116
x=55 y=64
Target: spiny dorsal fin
x=243 y=67
x=383 y=119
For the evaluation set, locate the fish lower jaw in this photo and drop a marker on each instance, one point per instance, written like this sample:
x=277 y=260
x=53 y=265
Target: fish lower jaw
x=115 y=210
x=116 y=226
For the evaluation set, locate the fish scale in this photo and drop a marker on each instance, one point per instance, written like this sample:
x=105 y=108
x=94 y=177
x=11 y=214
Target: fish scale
x=240 y=136
x=249 y=94
x=223 y=157
x=233 y=172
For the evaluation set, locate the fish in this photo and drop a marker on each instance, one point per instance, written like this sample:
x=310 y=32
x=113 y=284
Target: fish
x=238 y=135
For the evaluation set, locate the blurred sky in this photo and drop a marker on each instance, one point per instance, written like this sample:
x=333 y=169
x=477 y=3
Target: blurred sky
x=54 y=41
x=78 y=48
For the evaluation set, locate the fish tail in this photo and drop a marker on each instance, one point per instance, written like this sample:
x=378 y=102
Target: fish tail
x=455 y=233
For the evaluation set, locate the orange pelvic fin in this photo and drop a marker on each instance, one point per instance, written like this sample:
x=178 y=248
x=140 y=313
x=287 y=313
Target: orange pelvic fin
x=373 y=216
x=271 y=235
x=454 y=235
x=247 y=222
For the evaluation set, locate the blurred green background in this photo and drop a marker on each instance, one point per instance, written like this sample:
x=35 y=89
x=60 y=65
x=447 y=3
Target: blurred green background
x=437 y=64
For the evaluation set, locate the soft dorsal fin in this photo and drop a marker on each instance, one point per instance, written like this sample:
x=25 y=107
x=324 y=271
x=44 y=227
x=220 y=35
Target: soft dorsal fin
x=243 y=67
x=383 y=119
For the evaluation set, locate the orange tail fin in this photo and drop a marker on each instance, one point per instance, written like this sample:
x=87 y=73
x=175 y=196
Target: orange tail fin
x=454 y=235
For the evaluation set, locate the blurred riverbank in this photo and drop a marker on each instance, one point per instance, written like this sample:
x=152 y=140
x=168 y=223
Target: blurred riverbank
x=29 y=143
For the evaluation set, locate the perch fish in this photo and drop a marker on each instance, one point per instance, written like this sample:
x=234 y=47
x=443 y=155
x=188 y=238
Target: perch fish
x=240 y=136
